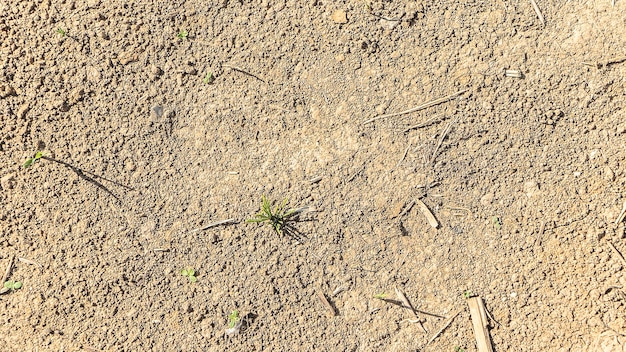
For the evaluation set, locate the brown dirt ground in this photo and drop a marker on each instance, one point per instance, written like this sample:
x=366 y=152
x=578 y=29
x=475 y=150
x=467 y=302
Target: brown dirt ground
x=121 y=97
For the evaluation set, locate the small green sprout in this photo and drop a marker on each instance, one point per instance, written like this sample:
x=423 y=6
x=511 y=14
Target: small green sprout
x=209 y=78
x=61 y=31
x=190 y=273
x=381 y=295
x=233 y=318
x=497 y=223
x=13 y=285
x=467 y=294
x=34 y=159
x=182 y=35
x=459 y=349
x=276 y=218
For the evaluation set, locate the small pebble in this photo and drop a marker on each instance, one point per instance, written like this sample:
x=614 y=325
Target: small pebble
x=340 y=17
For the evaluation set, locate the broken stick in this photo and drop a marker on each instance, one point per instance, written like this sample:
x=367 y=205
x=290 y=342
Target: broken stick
x=480 y=323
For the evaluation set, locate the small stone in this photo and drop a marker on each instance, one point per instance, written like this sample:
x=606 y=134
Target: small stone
x=513 y=294
x=340 y=17
x=389 y=24
x=340 y=57
x=7 y=181
x=531 y=188
x=609 y=175
x=93 y=74
x=396 y=209
x=75 y=96
x=21 y=112
x=6 y=90
x=487 y=199
x=158 y=111
x=127 y=58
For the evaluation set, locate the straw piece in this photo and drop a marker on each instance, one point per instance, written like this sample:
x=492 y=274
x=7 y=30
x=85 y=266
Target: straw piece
x=543 y=22
x=429 y=216
x=480 y=323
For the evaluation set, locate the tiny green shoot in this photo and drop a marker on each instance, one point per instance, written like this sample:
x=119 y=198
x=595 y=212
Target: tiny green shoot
x=381 y=295
x=467 y=294
x=34 y=159
x=190 y=273
x=497 y=223
x=233 y=318
x=61 y=31
x=13 y=285
x=277 y=218
x=459 y=349
x=209 y=78
x=182 y=35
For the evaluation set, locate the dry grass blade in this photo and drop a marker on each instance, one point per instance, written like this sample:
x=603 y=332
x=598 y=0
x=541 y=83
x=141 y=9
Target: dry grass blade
x=443 y=136
x=408 y=305
x=618 y=253
x=235 y=68
x=27 y=261
x=329 y=307
x=445 y=325
x=423 y=124
x=213 y=224
x=418 y=108
x=429 y=216
x=543 y=22
x=622 y=214
x=7 y=272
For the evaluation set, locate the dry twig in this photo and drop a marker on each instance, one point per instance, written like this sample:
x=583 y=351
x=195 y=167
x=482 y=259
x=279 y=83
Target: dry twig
x=408 y=305
x=445 y=325
x=420 y=107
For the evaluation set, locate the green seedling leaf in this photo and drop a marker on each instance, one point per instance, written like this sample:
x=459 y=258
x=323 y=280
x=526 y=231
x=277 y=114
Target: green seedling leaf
x=381 y=295
x=496 y=222
x=276 y=218
x=192 y=278
x=191 y=272
x=233 y=318
x=182 y=35
x=12 y=285
x=467 y=294
x=184 y=272
x=31 y=161
x=208 y=79
x=61 y=31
